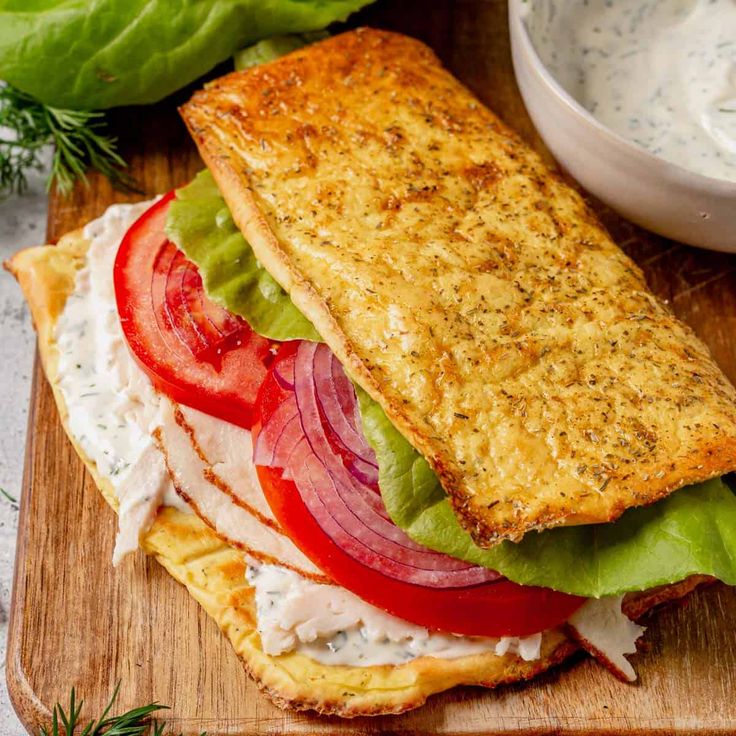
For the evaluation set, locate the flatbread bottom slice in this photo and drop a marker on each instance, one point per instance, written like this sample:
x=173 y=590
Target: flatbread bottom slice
x=214 y=572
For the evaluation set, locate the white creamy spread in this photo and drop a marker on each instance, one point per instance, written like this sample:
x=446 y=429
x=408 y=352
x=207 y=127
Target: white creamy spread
x=111 y=403
x=113 y=410
x=334 y=626
x=660 y=73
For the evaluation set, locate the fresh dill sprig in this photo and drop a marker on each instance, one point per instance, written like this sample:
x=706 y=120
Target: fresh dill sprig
x=79 y=137
x=135 y=722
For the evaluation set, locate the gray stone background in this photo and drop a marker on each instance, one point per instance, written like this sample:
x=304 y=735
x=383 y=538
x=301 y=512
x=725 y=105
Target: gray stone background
x=22 y=223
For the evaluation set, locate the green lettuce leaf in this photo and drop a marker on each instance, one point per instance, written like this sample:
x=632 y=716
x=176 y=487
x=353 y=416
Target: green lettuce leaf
x=200 y=224
x=274 y=47
x=692 y=531
x=94 y=54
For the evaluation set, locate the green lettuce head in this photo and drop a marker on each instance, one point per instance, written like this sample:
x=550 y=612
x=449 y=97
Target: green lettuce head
x=95 y=54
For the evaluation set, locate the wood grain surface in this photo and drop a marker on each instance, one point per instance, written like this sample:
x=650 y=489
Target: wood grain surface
x=75 y=621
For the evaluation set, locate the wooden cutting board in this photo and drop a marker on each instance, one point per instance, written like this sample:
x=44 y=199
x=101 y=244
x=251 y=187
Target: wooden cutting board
x=75 y=621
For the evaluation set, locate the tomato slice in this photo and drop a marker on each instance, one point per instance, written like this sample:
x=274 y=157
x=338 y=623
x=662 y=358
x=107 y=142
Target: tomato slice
x=193 y=350
x=497 y=608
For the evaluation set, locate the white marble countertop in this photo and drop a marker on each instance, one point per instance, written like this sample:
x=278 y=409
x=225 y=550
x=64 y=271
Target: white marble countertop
x=22 y=223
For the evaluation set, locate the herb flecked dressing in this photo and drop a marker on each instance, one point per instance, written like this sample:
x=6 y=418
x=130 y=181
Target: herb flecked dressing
x=333 y=626
x=660 y=73
x=111 y=403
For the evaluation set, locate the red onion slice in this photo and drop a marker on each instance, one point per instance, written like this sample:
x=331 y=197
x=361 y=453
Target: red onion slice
x=335 y=395
x=339 y=488
x=280 y=435
x=283 y=372
x=354 y=507
x=307 y=399
x=346 y=397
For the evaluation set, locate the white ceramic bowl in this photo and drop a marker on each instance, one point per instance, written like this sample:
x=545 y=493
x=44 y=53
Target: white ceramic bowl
x=644 y=188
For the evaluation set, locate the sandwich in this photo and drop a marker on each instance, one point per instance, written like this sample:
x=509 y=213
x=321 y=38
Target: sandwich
x=382 y=393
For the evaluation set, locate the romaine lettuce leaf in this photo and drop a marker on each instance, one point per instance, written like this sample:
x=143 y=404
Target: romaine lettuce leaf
x=692 y=531
x=92 y=54
x=274 y=47
x=200 y=224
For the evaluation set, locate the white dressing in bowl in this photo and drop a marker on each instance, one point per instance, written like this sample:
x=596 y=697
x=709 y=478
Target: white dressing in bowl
x=661 y=74
x=668 y=170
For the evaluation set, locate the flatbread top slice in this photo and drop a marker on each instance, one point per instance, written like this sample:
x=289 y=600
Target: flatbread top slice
x=466 y=287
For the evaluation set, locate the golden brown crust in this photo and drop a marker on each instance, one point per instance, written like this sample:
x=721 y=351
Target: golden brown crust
x=638 y=605
x=464 y=286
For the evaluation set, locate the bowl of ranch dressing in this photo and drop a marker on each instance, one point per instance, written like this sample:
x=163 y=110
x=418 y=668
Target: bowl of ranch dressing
x=637 y=100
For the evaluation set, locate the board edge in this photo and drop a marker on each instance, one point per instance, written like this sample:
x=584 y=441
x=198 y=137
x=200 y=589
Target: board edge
x=29 y=708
